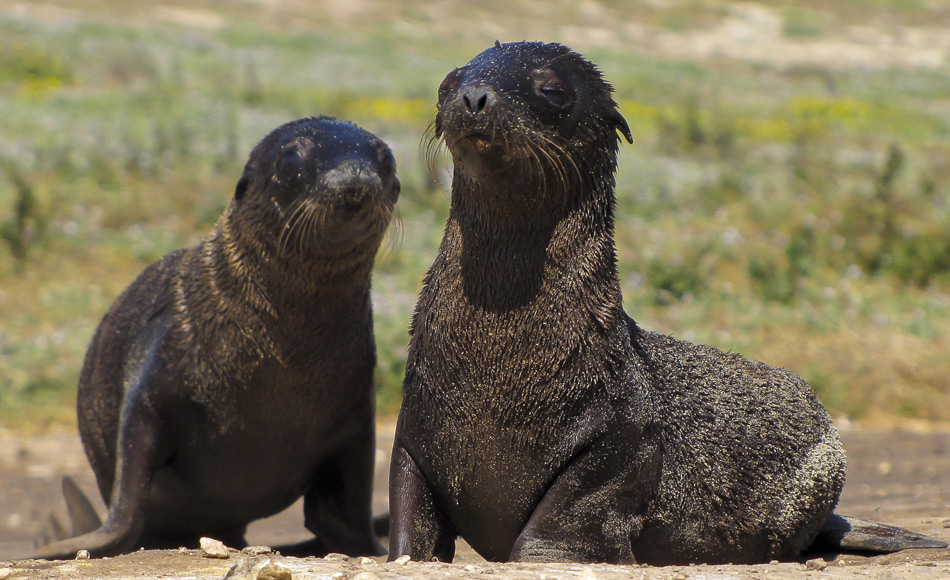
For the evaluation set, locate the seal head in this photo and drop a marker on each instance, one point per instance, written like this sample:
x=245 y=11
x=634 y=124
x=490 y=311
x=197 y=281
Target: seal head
x=523 y=107
x=322 y=187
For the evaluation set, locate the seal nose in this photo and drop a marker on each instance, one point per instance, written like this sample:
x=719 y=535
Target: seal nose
x=477 y=98
x=351 y=181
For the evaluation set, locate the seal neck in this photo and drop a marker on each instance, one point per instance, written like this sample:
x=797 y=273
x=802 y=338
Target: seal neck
x=283 y=293
x=509 y=302
x=537 y=242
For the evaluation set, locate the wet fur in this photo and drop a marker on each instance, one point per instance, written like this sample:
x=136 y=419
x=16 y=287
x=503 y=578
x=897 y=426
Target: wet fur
x=539 y=422
x=233 y=377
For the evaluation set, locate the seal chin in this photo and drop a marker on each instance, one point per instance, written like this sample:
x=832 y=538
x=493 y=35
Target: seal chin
x=337 y=241
x=478 y=154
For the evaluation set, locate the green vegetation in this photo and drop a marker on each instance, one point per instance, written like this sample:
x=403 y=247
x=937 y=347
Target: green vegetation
x=797 y=214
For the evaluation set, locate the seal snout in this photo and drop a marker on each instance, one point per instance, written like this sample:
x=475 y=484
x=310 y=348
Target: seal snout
x=477 y=98
x=472 y=118
x=351 y=183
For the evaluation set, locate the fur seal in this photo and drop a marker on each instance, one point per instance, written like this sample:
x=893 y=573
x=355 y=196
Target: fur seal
x=234 y=377
x=539 y=421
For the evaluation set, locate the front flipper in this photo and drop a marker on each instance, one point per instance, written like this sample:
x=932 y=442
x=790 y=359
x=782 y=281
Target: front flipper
x=417 y=526
x=847 y=533
x=338 y=505
x=594 y=508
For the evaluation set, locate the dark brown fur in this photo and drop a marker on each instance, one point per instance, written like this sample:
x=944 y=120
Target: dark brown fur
x=539 y=422
x=233 y=377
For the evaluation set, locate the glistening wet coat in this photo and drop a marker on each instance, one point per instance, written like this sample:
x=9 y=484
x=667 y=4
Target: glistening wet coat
x=236 y=376
x=539 y=422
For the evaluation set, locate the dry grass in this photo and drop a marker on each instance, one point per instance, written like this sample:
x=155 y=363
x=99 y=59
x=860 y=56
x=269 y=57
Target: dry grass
x=755 y=209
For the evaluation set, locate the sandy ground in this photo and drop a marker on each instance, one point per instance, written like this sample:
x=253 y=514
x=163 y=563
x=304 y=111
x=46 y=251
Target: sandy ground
x=901 y=477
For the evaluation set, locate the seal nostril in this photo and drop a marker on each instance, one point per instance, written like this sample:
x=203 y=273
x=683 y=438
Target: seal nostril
x=352 y=183
x=477 y=98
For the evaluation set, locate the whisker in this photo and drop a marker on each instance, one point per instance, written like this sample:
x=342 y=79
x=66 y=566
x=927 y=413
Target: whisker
x=534 y=165
x=434 y=152
x=385 y=221
x=558 y=153
x=553 y=165
x=316 y=220
x=297 y=209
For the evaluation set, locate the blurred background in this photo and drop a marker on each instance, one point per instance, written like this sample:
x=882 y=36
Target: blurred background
x=787 y=196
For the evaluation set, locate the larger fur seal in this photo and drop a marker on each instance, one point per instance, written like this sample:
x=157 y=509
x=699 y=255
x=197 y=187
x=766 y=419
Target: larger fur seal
x=233 y=377
x=539 y=422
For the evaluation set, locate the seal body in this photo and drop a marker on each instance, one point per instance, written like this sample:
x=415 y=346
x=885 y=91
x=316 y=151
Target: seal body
x=539 y=422
x=233 y=377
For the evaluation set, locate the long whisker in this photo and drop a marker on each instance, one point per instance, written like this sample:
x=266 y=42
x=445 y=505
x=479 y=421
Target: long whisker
x=552 y=163
x=390 y=216
x=314 y=222
x=534 y=166
x=297 y=210
x=559 y=154
x=434 y=152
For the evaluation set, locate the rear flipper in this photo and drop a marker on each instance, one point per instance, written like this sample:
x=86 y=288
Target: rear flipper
x=52 y=531
x=81 y=512
x=139 y=449
x=843 y=533
x=82 y=516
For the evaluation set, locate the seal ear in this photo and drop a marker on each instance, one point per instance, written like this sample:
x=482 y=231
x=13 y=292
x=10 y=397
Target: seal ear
x=241 y=187
x=620 y=124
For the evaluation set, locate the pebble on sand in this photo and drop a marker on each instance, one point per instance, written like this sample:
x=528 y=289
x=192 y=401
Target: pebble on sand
x=274 y=571
x=816 y=564
x=213 y=548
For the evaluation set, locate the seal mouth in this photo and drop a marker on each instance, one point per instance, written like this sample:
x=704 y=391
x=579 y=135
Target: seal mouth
x=350 y=200
x=477 y=142
x=351 y=206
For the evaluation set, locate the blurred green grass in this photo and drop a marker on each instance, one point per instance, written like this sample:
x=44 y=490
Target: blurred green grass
x=797 y=214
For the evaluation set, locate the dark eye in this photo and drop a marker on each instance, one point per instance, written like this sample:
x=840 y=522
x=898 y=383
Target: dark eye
x=550 y=86
x=288 y=167
x=557 y=97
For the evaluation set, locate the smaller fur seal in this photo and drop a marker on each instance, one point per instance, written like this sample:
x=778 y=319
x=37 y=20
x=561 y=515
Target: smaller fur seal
x=540 y=422
x=236 y=376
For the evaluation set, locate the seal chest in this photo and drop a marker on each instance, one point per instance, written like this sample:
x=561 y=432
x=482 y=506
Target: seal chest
x=233 y=377
x=539 y=422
